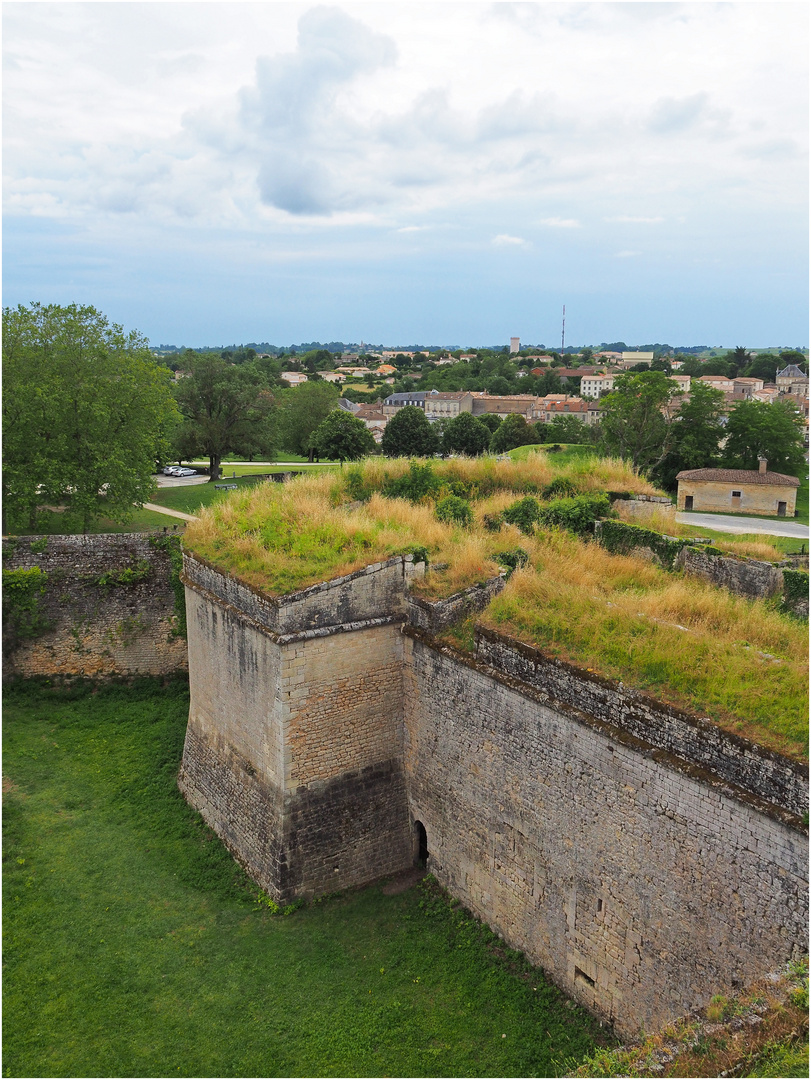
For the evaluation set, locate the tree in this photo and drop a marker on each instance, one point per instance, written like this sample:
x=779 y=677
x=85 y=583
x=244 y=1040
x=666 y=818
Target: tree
x=225 y=410
x=465 y=434
x=409 y=434
x=695 y=435
x=492 y=421
x=758 y=429
x=634 y=420
x=548 y=383
x=317 y=360
x=498 y=385
x=514 y=431
x=739 y=358
x=764 y=366
x=86 y=409
x=301 y=410
x=343 y=436
x=564 y=429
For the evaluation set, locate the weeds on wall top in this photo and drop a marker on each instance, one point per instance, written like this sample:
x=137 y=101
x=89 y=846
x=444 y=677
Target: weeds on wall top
x=23 y=617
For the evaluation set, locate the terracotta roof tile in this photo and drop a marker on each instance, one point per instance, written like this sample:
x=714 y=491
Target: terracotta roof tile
x=739 y=476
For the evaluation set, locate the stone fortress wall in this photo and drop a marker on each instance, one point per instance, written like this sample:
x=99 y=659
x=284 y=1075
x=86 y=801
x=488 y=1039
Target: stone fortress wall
x=107 y=607
x=644 y=858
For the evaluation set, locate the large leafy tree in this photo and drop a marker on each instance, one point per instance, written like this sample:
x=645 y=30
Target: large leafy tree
x=225 y=409
x=409 y=434
x=764 y=366
x=464 y=434
x=342 y=436
x=514 y=431
x=86 y=409
x=302 y=410
x=563 y=428
x=758 y=429
x=634 y=419
x=695 y=435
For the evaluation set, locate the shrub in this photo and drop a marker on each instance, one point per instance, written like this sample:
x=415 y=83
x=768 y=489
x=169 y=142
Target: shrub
x=576 y=514
x=561 y=487
x=620 y=538
x=525 y=513
x=453 y=510
x=22 y=594
x=512 y=559
x=417 y=485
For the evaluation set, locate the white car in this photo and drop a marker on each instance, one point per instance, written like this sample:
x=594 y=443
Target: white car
x=185 y=472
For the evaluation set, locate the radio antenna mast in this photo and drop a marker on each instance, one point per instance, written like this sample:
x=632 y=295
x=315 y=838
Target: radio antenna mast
x=563 y=329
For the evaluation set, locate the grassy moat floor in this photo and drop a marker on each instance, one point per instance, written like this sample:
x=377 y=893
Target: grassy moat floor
x=134 y=945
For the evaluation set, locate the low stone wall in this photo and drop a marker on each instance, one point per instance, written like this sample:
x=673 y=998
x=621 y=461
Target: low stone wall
x=749 y=577
x=108 y=607
x=436 y=615
x=377 y=591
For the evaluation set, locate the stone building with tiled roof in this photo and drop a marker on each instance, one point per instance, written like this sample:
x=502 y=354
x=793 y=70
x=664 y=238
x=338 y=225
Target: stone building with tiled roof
x=738 y=491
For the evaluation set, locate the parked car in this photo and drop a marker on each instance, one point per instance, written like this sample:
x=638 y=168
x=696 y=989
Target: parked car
x=185 y=472
x=170 y=470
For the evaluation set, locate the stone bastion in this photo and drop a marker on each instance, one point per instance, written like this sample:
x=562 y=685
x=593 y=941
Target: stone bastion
x=642 y=856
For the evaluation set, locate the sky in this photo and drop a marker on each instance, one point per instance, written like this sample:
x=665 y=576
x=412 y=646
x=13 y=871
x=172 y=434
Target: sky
x=408 y=173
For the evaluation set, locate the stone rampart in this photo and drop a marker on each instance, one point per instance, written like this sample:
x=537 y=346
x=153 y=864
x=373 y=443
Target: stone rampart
x=108 y=608
x=691 y=739
x=436 y=615
x=643 y=857
x=746 y=577
x=294 y=747
x=642 y=885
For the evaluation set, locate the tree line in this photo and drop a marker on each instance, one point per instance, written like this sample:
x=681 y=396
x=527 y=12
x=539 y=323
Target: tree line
x=89 y=414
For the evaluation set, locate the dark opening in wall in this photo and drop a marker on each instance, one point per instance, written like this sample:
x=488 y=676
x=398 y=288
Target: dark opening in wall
x=599 y=905
x=421 y=838
x=583 y=977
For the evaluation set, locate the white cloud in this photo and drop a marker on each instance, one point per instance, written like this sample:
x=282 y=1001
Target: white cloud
x=505 y=240
x=315 y=131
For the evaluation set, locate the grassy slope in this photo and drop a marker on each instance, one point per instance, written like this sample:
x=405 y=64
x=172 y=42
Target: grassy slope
x=133 y=946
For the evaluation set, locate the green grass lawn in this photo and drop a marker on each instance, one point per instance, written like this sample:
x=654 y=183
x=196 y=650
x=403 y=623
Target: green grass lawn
x=134 y=945
x=568 y=452
x=52 y=523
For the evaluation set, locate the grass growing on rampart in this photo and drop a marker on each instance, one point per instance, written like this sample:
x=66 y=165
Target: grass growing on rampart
x=686 y=642
x=741 y=662
x=135 y=946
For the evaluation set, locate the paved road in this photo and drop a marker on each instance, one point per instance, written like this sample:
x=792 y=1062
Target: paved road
x=770 y=527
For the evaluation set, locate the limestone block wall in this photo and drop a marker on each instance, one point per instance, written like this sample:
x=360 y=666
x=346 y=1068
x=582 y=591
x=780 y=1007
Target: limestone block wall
x=294 y=745
x=750 y=578
x=95 y=629
x=641 y=882
x=435 y=615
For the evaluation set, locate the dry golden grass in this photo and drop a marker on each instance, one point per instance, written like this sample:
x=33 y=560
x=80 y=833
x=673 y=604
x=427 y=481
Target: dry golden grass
x=684 y=640
x=688 y=643
x=751 y=549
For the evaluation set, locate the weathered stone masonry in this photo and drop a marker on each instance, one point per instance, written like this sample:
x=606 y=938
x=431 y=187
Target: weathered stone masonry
x=97 y=630
x=643 y=857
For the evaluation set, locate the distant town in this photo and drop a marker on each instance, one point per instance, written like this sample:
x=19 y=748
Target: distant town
x=539 y=384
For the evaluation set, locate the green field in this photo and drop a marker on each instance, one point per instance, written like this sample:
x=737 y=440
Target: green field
x=52 y=523
x=134 y=945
